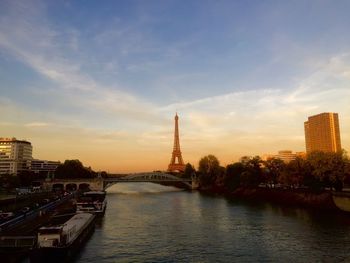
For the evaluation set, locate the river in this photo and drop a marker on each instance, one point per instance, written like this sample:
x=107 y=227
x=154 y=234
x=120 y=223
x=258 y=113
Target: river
x=151 y=223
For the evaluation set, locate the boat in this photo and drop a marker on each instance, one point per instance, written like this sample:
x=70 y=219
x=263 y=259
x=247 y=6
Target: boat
x=342 y=200
x=92 y=202
x=60 y=242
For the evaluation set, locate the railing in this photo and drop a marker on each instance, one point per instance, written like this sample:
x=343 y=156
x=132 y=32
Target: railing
x=32 y=214
x=147 y=180
x=17 y=241
x=148 y=177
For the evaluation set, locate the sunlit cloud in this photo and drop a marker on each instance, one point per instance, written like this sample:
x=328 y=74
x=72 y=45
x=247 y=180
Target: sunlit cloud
x=252 y=119
x=37 y=124
x=106 y=93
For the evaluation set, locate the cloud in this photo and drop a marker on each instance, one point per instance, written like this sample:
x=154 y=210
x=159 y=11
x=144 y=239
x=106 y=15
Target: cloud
x=266 y=120
x=97 y=119
x=27 y=34
x=37 y=124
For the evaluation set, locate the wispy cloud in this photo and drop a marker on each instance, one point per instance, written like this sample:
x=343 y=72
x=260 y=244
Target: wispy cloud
x=126 y=113
x=263 y=120
x=27 y=34
x=37 y=124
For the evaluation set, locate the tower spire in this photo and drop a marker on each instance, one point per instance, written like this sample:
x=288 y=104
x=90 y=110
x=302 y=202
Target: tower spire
x=176 y=162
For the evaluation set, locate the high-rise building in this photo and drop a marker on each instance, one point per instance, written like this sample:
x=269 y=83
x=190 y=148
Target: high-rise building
x=322 y=133
x=15 y=155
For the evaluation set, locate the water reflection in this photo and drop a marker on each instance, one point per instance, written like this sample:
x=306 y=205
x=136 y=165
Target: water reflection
x=299 y=230
x=153 y=223
x=141 y=189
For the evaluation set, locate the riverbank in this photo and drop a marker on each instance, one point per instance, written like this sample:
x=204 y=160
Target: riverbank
x=295 y=197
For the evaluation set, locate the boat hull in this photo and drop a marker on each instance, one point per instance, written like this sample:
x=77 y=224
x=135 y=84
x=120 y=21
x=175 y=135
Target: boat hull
x=63 y=254
x=342 y=201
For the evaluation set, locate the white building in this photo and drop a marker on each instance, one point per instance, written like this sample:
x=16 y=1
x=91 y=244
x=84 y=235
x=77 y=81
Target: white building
x=15 y=155
x=44 y=166
x=285 y=155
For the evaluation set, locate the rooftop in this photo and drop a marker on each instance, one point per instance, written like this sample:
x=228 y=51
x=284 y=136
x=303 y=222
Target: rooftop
x=13 y=139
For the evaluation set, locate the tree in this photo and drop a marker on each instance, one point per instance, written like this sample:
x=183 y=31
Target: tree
x=9 y=182
x=27 y=177
x=73 y=169
x=104 y=174
x=189 y=171
x=328 y=168
x=209 y=170
x=339 y=175
x=253 y=173
x=346 y=168
x=295 y=172
x=233 y=175
x=274 y=169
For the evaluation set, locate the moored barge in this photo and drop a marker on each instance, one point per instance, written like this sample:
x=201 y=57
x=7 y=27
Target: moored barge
x=92 y=202
x=59 y=242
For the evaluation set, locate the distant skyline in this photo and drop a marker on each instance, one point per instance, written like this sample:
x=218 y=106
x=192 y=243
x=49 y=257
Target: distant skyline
x=101 y=81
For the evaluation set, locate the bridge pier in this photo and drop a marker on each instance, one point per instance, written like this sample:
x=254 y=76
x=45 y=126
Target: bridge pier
x=194 y=183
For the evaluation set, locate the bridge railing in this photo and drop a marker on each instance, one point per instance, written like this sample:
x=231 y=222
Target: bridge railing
x=30 y=215
x=149 y=176
x=147 y=179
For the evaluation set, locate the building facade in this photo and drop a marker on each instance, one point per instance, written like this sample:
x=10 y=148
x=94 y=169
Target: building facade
x=322 y=133
x=15 y=155
x=285 y=155
x=44 y=167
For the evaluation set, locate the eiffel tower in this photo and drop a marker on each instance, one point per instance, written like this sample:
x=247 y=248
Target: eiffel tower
x=178 y=166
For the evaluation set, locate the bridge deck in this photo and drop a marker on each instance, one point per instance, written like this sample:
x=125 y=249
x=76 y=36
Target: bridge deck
x=146 y=180
x=100 y=183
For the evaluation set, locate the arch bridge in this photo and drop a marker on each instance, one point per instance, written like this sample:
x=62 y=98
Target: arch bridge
x=74 y=184
x=154 y=177
x=100 y=183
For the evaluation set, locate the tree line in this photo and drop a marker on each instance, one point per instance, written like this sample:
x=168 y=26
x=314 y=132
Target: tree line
x=319 y=170
x=74 y=169
x=68 y=169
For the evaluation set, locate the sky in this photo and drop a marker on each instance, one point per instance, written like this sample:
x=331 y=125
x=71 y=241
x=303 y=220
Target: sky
x=101 y=81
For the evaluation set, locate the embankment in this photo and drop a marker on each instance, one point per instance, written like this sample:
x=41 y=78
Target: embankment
x=299 y=198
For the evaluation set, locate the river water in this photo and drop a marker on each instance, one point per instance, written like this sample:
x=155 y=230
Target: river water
x=151 y=223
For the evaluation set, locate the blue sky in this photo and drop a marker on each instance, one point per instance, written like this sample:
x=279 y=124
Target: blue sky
x=101 y=80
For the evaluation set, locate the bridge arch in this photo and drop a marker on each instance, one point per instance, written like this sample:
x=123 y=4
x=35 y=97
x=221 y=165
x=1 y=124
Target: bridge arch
x=155 y=177
x=84 y=186
x=58 y=187
x=99 y=184
x=71 y=187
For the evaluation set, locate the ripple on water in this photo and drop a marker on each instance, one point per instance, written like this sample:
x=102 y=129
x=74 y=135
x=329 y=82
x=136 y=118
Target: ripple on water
x=153 y=223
